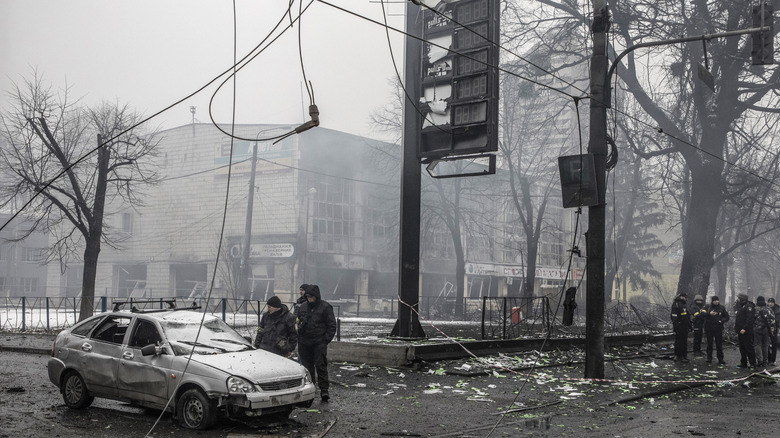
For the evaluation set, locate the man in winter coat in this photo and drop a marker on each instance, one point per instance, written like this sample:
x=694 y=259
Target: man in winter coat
x=743 y=325
x=316 y=329
x=762 y=330
x=715 y=316
x=276 y=332
x=301 y=299
x=773 y=348
x=681 y=322
x=697 y=316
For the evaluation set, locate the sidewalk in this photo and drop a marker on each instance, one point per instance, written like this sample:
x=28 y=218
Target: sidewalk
x=34 y=343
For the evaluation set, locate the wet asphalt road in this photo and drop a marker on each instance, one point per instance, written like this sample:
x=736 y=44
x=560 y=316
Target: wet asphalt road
x=455 y=398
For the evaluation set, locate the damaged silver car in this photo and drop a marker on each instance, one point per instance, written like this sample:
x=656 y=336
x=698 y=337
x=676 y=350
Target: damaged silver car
x=168 y=360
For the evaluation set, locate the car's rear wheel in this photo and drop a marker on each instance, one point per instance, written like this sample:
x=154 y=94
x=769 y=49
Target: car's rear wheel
x=196 y=411
x=74 y=391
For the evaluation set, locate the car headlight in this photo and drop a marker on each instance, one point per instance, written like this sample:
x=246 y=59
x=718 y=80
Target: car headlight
x=238 y=385
x=307 y=379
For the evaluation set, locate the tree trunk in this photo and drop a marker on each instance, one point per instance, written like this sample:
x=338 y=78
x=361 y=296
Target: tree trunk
x=92 y=240
x=460 y=277
x=532 y=248
x=721 y=271
x=699 y=244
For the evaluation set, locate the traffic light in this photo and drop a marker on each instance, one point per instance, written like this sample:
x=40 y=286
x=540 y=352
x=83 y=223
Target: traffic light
x=763 y=42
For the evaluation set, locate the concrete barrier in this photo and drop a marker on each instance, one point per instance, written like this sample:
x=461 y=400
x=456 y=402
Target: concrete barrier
x=378 y=353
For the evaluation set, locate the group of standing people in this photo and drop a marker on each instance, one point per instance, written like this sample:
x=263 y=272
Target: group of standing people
x=756 y=326
x=310 y=327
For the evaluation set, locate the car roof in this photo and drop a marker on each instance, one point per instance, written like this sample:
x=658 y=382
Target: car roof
x=168 y=315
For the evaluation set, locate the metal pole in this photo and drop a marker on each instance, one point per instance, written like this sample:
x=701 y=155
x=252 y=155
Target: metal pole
x=597 y=146
x=408 y=323
x=243 y=279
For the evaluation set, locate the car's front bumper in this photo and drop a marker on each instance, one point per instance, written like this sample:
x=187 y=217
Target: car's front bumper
x=260 y=402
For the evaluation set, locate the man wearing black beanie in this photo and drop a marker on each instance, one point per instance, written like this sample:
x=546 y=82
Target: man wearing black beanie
x=276 y=332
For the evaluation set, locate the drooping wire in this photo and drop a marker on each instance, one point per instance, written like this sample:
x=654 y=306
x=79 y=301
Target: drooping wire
x=455 y=52
x=108 y=141
x=498 y=45
x=313 y=112
x=221 y=232
x=309 y=88
x=398 y=74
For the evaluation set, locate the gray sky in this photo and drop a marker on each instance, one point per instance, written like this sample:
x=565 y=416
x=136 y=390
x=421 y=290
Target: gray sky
x=151 y=53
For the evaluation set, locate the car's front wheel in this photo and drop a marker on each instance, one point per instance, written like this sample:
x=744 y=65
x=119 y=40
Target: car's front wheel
x=74 y=391
x=196 y=411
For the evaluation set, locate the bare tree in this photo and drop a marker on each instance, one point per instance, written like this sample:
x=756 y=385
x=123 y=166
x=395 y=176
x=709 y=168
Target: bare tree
x=534 y=134
x=51 y=160
x=692 y=121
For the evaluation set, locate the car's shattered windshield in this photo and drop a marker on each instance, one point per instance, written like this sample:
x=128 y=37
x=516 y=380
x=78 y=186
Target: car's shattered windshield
x=215 y=336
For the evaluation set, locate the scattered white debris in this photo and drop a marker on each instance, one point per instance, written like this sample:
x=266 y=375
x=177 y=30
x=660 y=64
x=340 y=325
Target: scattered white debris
x=349 y=368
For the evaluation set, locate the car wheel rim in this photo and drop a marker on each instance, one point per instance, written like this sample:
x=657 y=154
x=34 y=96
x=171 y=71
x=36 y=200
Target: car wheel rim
x=73 y=389
x=193 y=412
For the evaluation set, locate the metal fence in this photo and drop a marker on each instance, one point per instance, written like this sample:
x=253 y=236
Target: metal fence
x=47 y=314
x=495 y=317
x=515 y=317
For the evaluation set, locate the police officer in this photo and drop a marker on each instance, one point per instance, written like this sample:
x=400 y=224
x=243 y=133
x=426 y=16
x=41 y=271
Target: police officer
x=773 y=348
x=743 y=324
x=681 y=322
x=715 y=316
x=763 y=325
x=697 y=315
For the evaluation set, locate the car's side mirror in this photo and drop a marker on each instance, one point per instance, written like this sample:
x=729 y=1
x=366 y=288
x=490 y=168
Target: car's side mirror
x=152 y=350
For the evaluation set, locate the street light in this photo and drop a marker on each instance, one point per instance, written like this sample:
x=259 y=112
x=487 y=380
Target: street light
x=309 y=197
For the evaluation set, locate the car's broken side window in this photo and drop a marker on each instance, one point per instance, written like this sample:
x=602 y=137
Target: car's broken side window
x=112 y=329
x=144 y=333
x=84 y=328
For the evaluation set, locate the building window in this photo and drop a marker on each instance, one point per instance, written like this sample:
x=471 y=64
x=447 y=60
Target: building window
x=127 y=223
x=6 y=252
x=29 y=285
x=336 y=218
x=31 y=255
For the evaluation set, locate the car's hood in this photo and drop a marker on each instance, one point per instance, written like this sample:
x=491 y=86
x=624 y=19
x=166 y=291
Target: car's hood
x=256 y=365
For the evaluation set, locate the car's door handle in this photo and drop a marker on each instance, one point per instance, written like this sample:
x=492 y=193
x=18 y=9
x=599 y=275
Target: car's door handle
x=127 y=355
x=86 y=347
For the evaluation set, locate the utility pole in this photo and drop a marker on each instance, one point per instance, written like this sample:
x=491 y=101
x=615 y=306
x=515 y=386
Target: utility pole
x=245 y=269
x=597 y=146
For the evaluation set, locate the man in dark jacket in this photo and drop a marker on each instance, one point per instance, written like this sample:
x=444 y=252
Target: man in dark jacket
x=276 y=332
x=697 y=316
x=316 y=329
x=681 y=323
x=301 y=299
x=773 y=348
x=762 y=330
x=715 y=316
x=743 y=325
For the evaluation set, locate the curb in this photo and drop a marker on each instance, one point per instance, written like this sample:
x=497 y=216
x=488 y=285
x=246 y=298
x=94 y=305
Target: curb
x=29 y=350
